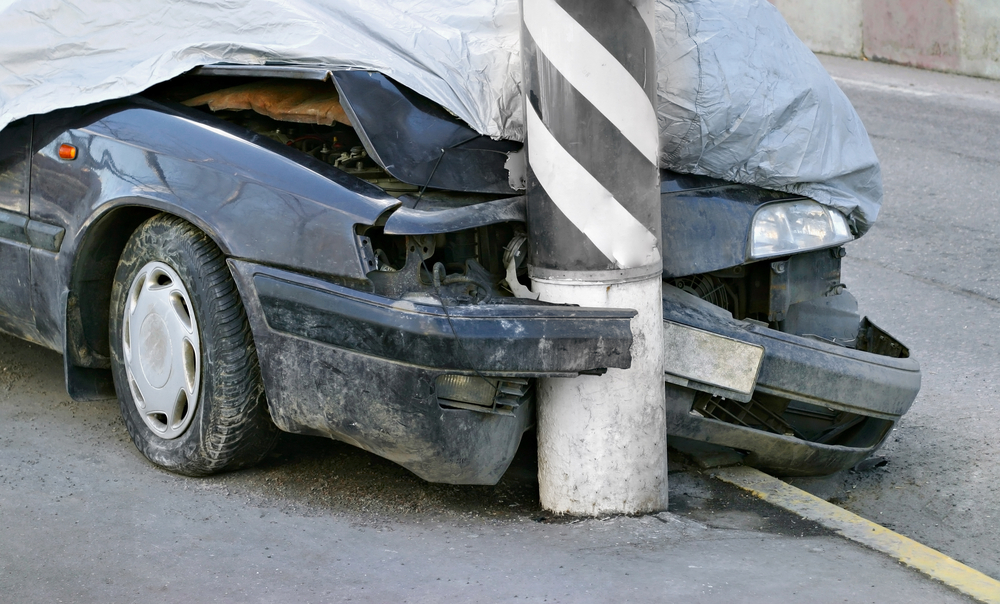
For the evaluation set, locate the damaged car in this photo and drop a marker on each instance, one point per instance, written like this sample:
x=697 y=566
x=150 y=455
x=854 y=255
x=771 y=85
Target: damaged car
x=238 y=251
x=247 y=249
x=786 y=372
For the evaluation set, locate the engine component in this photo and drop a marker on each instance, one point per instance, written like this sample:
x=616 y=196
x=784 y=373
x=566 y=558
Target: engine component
x=302 y=114
x=515 y=257
x=472 y=285
x=302 y=101
x=776 y=285
x=709 y=288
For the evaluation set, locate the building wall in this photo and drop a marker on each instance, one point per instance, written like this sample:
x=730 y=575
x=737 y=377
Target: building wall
x=960 y=36
x=979 y=24
x=828 y=26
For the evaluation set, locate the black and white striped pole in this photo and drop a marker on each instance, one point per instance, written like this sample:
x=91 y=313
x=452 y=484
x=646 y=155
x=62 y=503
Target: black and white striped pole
x=594 y=227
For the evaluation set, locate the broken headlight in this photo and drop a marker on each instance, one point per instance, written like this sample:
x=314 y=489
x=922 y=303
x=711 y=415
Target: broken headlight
x=790 y=227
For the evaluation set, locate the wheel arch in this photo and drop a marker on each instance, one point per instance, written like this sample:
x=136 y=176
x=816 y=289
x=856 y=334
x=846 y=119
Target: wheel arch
x=87 y=298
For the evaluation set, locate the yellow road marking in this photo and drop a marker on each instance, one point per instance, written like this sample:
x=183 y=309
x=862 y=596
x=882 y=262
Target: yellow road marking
x=930 y=562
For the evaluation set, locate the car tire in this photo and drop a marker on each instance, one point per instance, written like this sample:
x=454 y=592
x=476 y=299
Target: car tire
x=183 y=358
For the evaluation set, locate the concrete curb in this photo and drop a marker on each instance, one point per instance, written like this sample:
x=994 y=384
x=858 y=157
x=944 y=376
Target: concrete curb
x=930 y=562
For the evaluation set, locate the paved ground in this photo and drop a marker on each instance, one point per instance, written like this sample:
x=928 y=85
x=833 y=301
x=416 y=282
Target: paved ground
x=84 y=518
x=929 y=272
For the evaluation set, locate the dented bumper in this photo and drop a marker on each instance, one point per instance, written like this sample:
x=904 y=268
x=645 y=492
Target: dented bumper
x=374 y=371
x=799 y=383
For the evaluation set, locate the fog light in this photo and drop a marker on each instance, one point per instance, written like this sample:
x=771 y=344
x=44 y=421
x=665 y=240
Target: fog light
x=470 y=389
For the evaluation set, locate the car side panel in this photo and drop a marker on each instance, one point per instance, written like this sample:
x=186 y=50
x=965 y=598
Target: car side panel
x=256 y=198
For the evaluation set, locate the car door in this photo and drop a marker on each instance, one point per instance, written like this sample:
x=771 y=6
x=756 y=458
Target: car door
x=15 y=286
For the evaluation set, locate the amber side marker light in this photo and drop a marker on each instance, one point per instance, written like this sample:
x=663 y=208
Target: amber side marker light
x=67 y=152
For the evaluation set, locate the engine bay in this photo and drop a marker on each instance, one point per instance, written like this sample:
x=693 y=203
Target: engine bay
x=467 y=266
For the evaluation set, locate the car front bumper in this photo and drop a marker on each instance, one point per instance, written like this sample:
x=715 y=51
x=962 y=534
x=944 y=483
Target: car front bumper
x=878 y=389
x=366 y=369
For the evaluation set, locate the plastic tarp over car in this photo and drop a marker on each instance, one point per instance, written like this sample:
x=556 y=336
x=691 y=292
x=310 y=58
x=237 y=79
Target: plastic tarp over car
x=739 y=96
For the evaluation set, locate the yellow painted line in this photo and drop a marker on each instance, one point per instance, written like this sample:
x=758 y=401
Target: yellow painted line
x=930 y=562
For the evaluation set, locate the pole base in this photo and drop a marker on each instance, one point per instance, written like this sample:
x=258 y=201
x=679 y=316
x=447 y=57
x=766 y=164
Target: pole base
x=602 y=440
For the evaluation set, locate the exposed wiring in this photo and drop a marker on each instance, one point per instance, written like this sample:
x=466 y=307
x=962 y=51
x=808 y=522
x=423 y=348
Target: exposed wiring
x=308 y=137
x=429 y=177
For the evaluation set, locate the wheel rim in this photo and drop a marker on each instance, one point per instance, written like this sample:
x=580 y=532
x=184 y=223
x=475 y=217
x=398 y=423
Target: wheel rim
x=162 y=350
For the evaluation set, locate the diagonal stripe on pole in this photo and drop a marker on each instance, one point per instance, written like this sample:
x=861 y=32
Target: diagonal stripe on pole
x=595 y=72
x=588 y=205
x=583 y=88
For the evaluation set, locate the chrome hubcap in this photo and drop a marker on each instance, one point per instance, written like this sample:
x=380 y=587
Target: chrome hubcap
x=161 y=348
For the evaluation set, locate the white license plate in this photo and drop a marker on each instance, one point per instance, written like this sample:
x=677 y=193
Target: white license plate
x=707 y=361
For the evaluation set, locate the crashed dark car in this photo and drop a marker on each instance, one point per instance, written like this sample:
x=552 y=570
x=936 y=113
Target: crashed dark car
x=250 y=262
x=243 y=250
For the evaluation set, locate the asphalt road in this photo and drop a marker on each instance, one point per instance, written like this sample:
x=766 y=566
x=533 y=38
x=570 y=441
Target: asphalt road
x=84 y=518
x=929 y=273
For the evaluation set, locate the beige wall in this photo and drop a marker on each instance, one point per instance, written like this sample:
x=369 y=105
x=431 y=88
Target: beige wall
x=960 y=36
x=979 y=24
x=827 y=26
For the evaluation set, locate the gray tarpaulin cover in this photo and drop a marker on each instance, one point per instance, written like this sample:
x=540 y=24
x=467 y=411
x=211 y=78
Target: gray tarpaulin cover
x=739 y=96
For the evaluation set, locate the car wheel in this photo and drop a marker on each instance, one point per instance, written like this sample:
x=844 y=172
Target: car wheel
x=182 y=354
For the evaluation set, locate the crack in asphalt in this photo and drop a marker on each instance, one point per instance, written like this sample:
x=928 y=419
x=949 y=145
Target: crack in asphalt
x=990 y=300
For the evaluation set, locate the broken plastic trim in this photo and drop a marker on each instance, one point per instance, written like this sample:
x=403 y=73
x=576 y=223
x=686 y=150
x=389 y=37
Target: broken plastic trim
x=409 y=221
x=418 y=142
x=796 y=419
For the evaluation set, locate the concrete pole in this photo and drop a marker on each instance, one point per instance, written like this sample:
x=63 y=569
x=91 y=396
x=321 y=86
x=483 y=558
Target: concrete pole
x=594 y=228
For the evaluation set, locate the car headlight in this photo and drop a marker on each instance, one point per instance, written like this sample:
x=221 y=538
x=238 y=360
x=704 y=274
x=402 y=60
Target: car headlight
x=785 y=228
